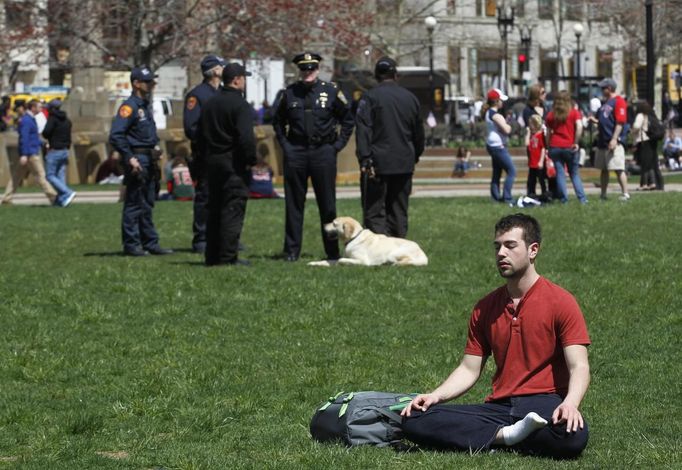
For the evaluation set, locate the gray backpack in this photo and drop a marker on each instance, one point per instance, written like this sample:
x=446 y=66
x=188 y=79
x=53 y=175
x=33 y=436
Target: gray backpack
x=359 y=418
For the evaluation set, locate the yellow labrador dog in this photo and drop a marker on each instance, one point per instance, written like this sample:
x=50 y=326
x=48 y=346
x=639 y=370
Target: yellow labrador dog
x=366 y=248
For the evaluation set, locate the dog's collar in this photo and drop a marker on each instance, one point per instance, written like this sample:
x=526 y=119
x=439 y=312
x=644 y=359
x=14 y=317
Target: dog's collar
x=356 y=236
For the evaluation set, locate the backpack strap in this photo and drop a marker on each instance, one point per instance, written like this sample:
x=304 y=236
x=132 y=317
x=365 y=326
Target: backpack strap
x=330 y=401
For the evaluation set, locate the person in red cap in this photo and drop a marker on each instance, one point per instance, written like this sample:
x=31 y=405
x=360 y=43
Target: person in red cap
x=496 y=143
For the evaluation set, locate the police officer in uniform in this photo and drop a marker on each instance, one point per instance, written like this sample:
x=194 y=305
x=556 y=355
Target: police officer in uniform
x=390 y=139
x=133 y=135
x=212 y=70
x=305 y=123
x=226 y=127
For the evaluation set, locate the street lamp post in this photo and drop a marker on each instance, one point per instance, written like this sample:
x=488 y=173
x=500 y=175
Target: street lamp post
x=578 y=30
x=430 y=22
x=505 y=23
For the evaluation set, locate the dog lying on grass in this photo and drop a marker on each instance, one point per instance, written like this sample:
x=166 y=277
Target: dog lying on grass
x=366 y=248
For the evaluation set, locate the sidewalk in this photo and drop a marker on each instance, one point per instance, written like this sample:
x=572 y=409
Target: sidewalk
x=430 y=187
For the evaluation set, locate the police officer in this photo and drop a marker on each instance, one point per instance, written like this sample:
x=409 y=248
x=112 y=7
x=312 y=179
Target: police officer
x=212 y=70
x=226 y=127
x=133 y=135
x=305 y=123
x=390 y=139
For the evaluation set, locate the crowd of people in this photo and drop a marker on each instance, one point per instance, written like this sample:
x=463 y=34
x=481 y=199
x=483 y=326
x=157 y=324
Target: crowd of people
x=554 y=144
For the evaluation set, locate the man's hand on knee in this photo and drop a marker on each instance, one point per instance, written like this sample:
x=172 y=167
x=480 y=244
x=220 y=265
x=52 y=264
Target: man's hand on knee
x=569 y=414
x=420 y=403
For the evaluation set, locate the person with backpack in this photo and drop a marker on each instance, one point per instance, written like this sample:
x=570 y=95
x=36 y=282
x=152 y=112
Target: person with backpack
x=57 y=131
x=537 y=335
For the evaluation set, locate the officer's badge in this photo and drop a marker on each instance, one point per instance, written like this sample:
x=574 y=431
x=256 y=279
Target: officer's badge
x=307 y=57
x=191 y=103
x=140 y=114
x=125 y=111
x=324 y=97
x=341 y=97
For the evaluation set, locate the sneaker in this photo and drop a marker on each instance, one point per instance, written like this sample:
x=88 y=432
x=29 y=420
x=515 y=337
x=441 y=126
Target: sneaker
x=69 y=199
x=624 y=197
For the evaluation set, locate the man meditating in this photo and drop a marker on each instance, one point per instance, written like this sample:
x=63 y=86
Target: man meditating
x=538 y=338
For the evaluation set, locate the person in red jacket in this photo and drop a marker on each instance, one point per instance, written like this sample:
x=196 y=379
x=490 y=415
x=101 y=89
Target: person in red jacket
x=537 y=336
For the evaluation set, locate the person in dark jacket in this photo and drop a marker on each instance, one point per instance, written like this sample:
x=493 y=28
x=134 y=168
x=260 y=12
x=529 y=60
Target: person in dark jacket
x=133 y=136
x=308 y=114
x=58 y=134
x=390 y=139
x=226 y=127
x=212 y=70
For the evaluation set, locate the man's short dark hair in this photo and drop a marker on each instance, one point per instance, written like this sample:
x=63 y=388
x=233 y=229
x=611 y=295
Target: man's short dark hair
x=530 y=226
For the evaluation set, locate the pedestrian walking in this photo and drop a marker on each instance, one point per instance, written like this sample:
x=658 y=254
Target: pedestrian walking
x=133 y=136
x=308 y=114
x=212 y=70
x=58 y=134
x=30 y=160
x=390 y=140
x=226 y=126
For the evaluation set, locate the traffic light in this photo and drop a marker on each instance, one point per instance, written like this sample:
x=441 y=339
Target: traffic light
x=522 y=59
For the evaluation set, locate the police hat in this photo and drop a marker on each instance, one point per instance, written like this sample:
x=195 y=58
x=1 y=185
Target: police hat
x=233 y=70
x=143 y=74
x=385 y=66
x=211 y=61
x=307 y=61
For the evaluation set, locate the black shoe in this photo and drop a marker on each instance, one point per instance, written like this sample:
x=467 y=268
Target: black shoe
x=290 y=258
x=240 y=262
x=135 y=252
x=160 y=251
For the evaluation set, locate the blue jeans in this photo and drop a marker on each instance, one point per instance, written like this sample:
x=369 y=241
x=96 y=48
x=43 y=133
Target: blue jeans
x=55 y=163
x=501 y=161
x=572 y=160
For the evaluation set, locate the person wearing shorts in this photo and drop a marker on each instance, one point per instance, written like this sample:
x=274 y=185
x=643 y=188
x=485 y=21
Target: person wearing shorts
x=610 y=155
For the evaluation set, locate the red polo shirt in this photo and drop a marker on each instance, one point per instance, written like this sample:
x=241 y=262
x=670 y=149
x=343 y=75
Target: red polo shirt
x=527 y=342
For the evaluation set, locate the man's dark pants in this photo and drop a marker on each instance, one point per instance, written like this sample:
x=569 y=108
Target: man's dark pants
x=318 y=162
x=200 y=206
x=137 y=227
x=473 y=427
x=385 y=201
x=227 y=196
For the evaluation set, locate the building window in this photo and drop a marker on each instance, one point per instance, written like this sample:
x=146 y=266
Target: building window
x=491 y=8
x=17 y=15
x=545 y=9
x=574 y=11
x=605 y=63
x=479 y=7
x=451 y=7
x=520 y=8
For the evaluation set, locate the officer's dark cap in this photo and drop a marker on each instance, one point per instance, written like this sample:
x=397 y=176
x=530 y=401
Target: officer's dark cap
x=233 y=70
x=212 y=61
x=307 y=61
x=385 y=66
x=142 y=74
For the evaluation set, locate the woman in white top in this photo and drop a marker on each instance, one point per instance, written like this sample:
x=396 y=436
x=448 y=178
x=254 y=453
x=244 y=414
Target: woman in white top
x=645 y=150
x=496 y=143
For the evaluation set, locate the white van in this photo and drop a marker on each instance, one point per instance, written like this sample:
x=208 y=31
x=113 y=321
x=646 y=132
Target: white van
x=162 y=107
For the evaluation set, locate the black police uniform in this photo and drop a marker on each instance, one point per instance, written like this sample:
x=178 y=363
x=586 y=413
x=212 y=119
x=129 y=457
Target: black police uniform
x=306 y=127
x=133 y=134
x=226 y=127
x=195 y=100
x=390 y=132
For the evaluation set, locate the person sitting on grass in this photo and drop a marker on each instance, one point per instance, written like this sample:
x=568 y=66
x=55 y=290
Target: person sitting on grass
x=260 y=180
x=461 y=162
x=179 y=181
x=538 y=338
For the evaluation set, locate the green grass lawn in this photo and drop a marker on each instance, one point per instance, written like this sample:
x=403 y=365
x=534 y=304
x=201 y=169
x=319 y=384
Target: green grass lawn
x=113 y=362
